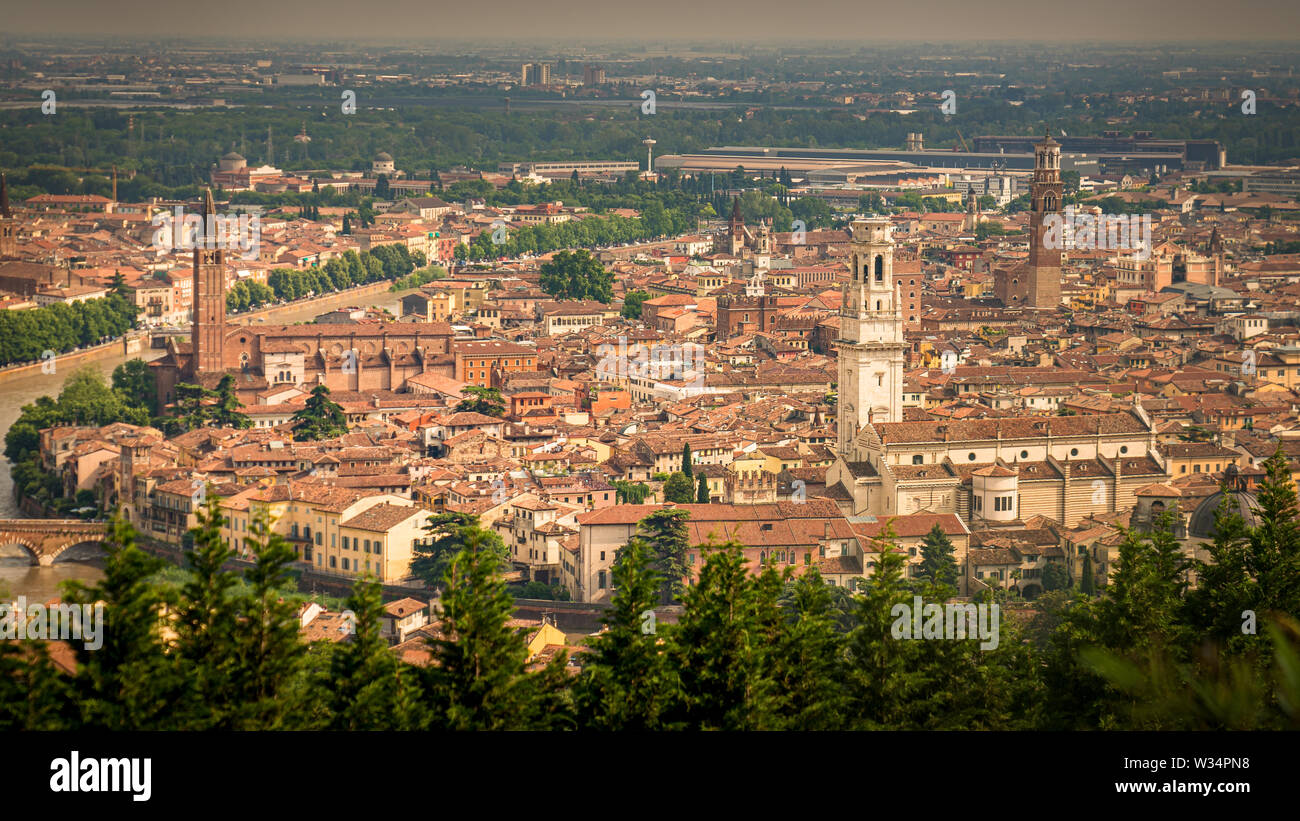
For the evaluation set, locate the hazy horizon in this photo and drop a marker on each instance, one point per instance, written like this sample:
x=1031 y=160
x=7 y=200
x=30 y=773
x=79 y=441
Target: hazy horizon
x=721 y=21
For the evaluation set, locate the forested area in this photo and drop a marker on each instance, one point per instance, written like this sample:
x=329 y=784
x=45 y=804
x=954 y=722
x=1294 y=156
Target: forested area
x=168 y=153
x=748 y=652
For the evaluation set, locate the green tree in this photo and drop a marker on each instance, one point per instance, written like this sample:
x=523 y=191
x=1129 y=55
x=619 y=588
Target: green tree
x=486 y=401
x=226 y=411
x=128 y=683
x=478 y=677
x=319 y=418
x=1274 y=544
x=808 y=658
x=268 y=649
x=882 y=677
x=633 y=493
x=679 y=489
x=1055 y=577
x=702 y=490
x=577 y=275
x=207 y=624
x=938 y=565
x=366 y=680
x=625 y=682
x=664 y=531
x=717 y=649
x=686 y=459
x=447 y=535
x=135 y=383
x=632 y=303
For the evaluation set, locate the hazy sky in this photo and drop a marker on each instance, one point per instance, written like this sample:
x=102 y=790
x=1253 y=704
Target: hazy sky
x=721 y=20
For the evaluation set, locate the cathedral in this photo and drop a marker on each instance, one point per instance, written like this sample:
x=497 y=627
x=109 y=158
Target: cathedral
x=270 y=359
x=987 y=471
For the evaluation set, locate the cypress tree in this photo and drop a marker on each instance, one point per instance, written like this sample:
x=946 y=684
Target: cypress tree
x=938 y=564
x=686 y=459
x=702 y=491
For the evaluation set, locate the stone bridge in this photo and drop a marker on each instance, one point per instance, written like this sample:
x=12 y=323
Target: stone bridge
x=47 y=539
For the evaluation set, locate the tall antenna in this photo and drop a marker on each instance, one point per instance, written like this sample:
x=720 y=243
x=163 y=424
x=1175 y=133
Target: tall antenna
x=270 y=156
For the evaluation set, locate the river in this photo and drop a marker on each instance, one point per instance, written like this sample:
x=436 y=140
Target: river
x=17 y=575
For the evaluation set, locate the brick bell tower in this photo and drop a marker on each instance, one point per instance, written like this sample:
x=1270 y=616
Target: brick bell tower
x=209 y=333
x=1044 y=286
x=8 y=230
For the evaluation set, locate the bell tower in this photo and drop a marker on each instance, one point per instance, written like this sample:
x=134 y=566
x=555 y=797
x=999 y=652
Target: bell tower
x=8 y=230
x=1045 y=199
x=209 y=333
x=871 y=346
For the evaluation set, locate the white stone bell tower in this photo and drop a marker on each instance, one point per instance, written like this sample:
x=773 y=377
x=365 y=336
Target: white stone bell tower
x=871 y=346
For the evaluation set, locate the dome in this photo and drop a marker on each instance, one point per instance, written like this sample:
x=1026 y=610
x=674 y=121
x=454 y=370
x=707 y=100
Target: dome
x=232 y=156
x=1242 y=501
x=383 y=156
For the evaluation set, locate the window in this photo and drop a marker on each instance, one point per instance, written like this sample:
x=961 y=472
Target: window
x=345 y=564
x=333 y=562
x=970 y=457
x=601 y=580
x=1074 y=451
x=602 y=555
x=1123 y=448
x=1024 y=454
x=979 y=503
x=319 y=539
x=918 y=459
x=345 y=542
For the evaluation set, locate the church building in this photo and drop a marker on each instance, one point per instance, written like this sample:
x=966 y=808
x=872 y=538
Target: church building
x=987 y=471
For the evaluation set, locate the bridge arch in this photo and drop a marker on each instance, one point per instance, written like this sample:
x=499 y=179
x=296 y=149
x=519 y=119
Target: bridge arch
x=33 y=553
x=48 y=539
x=77 y=549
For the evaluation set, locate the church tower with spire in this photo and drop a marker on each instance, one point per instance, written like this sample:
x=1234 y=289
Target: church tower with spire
x=209 y=334
x=871 y=345
x=8 y=230
x=736 y=230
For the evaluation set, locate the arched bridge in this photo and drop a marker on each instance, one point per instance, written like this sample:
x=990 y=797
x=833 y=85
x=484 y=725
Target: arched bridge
x=47 y=539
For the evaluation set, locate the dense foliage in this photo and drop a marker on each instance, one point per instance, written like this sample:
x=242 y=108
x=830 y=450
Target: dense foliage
x=39 y=333
x=747 y=651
